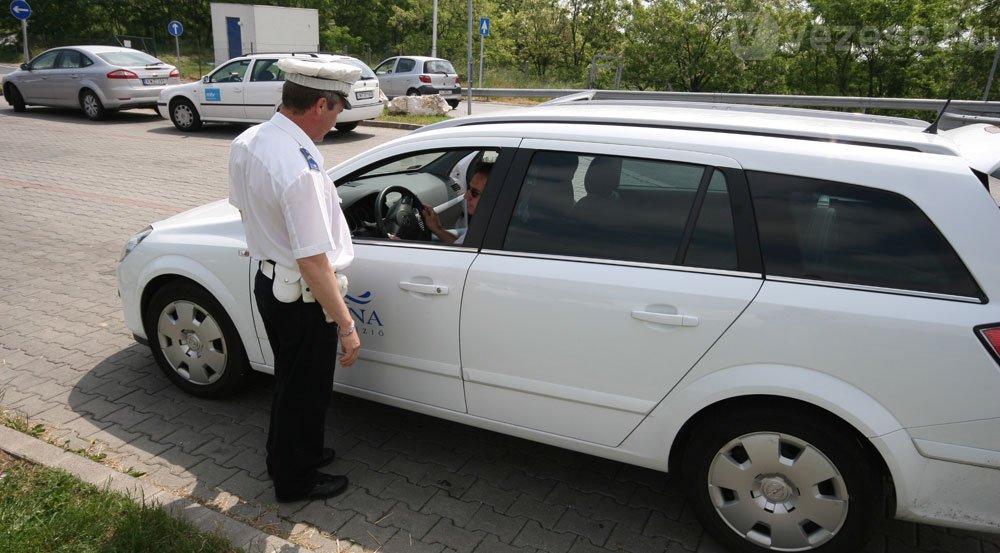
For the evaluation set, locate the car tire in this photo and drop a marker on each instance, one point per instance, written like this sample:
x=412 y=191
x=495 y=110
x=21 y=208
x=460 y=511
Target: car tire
x=413 y=92
x=346 y=127
x=454 y=103
x=184 y=116
x=92 y=106
x=780 y=480
x=13 y=96
x=194 y=341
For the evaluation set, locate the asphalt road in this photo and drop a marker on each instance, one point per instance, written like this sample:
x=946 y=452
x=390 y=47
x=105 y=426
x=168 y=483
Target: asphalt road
x=72 y=191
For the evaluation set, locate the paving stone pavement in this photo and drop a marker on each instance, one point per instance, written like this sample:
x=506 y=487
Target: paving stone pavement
x=72 y=191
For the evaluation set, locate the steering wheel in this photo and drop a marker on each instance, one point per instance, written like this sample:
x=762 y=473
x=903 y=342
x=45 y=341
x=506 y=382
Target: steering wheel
x=404 y=218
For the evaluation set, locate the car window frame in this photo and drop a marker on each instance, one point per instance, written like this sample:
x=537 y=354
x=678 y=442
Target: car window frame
x=56 y=54
x=253 y=70
x=210 y=76
x=390 y=64
x=408 y=71
x=747 y=245
x=84 y=60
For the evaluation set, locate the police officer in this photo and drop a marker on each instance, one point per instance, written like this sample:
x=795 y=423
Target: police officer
x=297 y=234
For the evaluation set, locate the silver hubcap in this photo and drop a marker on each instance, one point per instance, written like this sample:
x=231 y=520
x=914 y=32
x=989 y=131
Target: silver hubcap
x=183 y=115
x=778 y=491
x=90 y=105
x=192 y=342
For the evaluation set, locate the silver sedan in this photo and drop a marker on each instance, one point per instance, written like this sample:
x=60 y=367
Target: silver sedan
x=96 y=79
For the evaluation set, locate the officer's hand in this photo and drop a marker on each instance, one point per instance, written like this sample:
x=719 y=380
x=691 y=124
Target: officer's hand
x=351 y=346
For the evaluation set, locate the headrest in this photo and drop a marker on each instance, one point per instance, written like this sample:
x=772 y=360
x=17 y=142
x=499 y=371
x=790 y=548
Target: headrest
x=603 y=176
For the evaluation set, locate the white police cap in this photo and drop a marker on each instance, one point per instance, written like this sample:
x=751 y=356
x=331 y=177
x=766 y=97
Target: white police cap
x=321 y=75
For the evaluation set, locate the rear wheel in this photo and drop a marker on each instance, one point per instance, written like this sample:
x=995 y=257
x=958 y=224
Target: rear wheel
x=773 y=480
x=13 y=95
x=413 y=92
x=194 y=341
x=346 y=127
x=92 y=106
x=184 y=116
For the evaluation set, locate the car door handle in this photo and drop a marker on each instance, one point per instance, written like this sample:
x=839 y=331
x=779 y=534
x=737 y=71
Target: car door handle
x=237 y=90
x=432 y=289
x=665 y=318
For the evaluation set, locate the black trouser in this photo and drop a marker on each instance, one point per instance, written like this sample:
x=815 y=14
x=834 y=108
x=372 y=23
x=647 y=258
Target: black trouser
x=305 y=349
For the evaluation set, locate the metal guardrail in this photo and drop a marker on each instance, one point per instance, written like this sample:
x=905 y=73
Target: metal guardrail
x=957 y=107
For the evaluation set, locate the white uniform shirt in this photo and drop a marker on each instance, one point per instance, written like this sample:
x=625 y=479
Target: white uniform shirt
x=290 y=206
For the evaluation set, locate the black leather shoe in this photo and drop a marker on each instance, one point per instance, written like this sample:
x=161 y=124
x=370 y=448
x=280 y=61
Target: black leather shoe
x=328 y=456
x=326 y=486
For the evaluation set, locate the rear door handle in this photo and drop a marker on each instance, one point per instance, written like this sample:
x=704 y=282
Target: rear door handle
x=431 y=289
x=665 y=318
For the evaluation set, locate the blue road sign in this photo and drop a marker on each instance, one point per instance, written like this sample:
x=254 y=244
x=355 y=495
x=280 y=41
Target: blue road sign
x=20 y=9
x=484 y=26
x=175 y=28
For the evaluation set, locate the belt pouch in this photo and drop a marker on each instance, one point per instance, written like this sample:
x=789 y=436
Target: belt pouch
x=286 y=286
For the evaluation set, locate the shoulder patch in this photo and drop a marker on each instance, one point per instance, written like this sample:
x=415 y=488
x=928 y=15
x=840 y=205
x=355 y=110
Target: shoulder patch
x=309 y=159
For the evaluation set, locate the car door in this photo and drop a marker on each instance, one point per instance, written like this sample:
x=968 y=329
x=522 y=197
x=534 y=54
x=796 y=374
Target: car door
x=65 y=81
x=613 y=272
x=262 y=92
x=386 y=73
x=405 y=296
x=35 y=84
x=221 y=94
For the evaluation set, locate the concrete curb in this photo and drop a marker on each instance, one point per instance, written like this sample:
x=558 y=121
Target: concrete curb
x=239 y=534
x=389 y=125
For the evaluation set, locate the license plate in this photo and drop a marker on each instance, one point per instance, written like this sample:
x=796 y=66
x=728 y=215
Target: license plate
x=365 y=94
x=154 y=82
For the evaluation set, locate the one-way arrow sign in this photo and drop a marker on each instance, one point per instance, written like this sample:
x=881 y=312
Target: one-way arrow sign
x=20 y=9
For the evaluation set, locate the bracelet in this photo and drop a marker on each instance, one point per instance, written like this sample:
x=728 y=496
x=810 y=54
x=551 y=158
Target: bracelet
x=348 y=333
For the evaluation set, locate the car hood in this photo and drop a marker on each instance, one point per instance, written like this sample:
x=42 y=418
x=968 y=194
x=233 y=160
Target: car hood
x=218 y=218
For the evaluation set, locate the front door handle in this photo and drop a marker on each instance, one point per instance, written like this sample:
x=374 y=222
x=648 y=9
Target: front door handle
x=431 y=289
x=665 y=318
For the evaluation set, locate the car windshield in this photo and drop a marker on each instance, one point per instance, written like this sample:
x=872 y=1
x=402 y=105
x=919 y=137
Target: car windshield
x=438 y=66
x=366 y=72
x=129 y=58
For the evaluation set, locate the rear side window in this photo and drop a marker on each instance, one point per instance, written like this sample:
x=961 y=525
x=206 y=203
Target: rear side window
x=836 y=232
x=405 y=65
x=625 y=209
x=266 y=70
x=71 y=59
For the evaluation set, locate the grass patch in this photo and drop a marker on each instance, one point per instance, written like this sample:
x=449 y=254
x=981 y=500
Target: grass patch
x=48 y=510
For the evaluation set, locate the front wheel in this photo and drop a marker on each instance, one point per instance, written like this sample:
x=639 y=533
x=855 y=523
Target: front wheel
x=184 y=116
x=92 y=106
x=14 y=97
x=773 y=480
x=346 y=127
x=194 y=341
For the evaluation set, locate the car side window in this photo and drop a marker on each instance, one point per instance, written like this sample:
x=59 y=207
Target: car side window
x=626 y=209
x=230 y=73
x=46 y=60
x=71 y=59
x=836 y=232
x=266 y=70
x=385 y=67
x=405 y=65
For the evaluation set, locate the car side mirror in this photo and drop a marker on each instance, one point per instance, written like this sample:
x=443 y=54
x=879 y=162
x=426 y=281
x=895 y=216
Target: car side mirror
x=205 y=79
x=24 y=67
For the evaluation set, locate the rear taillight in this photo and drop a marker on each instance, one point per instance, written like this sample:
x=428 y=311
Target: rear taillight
x=458 y=79
x=990 y=336
x=122 y=74
x=425 y=78
x=175 y=73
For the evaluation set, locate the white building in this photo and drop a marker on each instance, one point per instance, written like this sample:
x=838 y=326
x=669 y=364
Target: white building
x=239 y=29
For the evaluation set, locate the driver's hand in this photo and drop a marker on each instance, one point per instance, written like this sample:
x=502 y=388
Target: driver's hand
x=431 y=219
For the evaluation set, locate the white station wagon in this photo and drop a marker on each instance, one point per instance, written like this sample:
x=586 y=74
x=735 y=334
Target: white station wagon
x=797 y=311
x=247 y=89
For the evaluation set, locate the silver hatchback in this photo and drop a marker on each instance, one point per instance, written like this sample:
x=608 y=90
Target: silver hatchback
x=419 y=75
x=97 y=79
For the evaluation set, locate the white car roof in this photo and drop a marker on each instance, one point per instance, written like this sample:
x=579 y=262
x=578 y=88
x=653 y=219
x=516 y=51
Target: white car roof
x=979 y=144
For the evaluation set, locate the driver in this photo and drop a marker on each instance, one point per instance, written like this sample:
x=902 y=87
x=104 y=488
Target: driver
x=476 y=186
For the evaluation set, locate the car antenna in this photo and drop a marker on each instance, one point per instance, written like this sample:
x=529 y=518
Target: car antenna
x=933 y=128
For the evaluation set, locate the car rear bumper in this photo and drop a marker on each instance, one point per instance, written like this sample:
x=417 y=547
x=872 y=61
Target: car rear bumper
x=446 y=93
x=360 y=113
x=940 y=492
x=125 y=97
